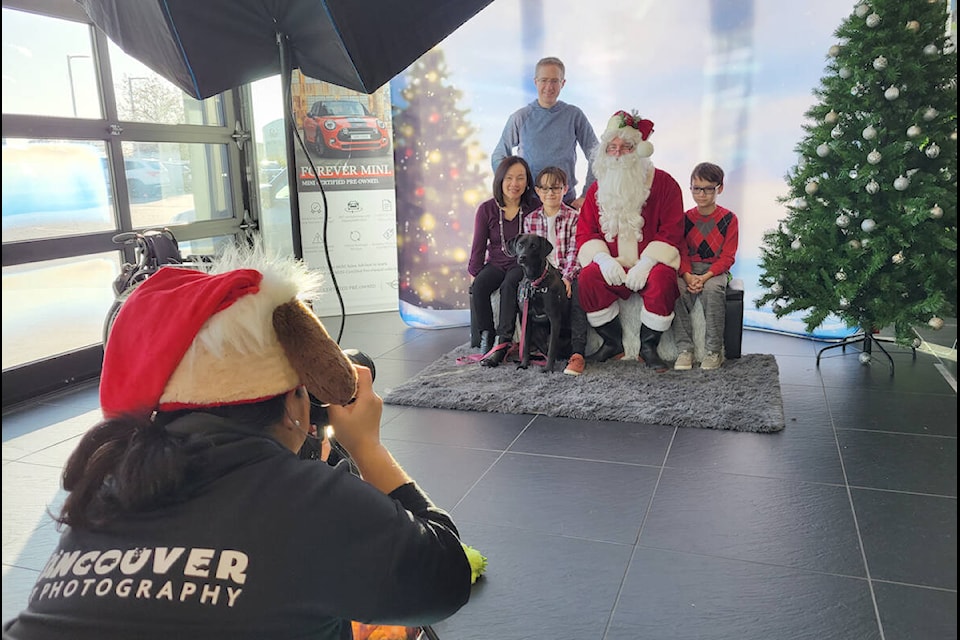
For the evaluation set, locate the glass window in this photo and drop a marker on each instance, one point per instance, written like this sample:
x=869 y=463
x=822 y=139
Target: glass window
x=48 y=67
x=145 y=96
x=55 y=188
x=55 y=306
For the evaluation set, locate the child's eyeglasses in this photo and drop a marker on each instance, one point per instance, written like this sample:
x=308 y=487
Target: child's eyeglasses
x=703 y=189
x=550 y=189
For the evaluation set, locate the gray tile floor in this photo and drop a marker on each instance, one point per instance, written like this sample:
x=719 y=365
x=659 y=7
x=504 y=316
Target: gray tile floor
x=842 y=526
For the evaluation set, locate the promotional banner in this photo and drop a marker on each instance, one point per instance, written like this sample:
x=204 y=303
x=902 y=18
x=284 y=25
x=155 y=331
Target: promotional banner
x=346 y=194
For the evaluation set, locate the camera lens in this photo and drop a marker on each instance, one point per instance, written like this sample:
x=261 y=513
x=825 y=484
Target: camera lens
x=318 y=412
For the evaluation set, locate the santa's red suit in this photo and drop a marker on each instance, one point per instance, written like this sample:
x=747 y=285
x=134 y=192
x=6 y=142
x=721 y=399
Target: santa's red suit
x=659 y=241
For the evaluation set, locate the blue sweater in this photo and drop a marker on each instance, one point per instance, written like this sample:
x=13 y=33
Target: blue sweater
x=549 y=137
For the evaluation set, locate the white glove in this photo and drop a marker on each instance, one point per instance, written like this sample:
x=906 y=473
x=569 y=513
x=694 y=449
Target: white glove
x=637 y=276
x=612 y=270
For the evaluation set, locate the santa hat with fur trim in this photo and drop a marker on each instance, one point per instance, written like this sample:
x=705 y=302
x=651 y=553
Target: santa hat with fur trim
x=631 y=128
x=235 y=334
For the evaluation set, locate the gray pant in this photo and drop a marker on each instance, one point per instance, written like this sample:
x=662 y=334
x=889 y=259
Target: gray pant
x=713 y=298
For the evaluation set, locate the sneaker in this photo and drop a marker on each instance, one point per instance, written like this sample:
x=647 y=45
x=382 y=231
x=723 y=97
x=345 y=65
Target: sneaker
x=574 y=365
x=713 y=360
x=684 y=361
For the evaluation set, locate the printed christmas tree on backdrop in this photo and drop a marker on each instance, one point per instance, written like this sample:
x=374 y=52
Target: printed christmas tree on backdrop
x=871 y=230
x=439 y=186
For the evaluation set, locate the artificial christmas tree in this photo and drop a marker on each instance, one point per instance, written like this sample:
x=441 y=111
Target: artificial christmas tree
x=871 y=230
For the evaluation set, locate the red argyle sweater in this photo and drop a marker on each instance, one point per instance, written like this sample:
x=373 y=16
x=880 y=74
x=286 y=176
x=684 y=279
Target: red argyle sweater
x=712 y=239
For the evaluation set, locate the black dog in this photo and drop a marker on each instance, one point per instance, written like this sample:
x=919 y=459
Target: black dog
x=542 y=299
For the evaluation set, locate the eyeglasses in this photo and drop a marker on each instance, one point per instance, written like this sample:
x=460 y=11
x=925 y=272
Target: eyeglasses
x=550 y=189
x=617 y=149
x=703 y=189
x=550 y=81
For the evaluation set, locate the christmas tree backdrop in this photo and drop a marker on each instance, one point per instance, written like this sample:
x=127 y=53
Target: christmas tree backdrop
x=871 y=230
x=440 y=182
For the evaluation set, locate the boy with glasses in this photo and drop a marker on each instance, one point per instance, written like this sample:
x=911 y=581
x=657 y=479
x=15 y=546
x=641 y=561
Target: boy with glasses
x=547 y=131
x=712 y=234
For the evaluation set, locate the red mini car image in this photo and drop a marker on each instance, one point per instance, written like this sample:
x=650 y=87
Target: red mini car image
x=343 y=126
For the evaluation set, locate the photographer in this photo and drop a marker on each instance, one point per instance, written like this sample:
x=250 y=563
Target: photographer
x=189 y=513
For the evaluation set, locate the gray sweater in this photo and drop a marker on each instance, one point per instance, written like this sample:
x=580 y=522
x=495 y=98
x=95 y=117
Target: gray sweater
x=549 y=137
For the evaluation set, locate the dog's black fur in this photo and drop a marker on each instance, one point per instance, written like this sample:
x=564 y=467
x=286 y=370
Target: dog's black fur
x=547 y=326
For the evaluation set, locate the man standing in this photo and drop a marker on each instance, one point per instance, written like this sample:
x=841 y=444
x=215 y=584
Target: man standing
x=628 y=240
x=547 y=131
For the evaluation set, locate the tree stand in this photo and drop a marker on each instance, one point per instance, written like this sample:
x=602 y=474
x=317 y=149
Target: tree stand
x=868 y=338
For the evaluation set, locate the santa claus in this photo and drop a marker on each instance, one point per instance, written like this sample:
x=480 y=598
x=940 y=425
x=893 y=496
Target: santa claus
x=628 y=239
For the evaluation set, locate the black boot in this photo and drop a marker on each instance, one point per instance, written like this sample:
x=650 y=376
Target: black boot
x=612 y=347
x=486 y=341
x=499 y=353
x=649 y=340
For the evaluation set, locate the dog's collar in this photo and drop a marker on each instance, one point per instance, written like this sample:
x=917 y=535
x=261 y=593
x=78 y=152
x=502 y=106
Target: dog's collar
x=546 y=268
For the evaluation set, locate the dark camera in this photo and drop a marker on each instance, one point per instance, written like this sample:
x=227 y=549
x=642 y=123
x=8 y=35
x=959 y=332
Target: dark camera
x=318 y=416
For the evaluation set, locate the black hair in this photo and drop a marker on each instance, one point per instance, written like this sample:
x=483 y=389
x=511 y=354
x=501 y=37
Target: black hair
x=528 y=198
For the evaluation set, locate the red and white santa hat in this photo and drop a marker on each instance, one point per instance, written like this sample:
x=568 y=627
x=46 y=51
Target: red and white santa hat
x=235 y=334
x=631 y=128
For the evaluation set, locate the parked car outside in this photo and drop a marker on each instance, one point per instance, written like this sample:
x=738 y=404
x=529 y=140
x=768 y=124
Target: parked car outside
x=146 y=179
x=342 y=126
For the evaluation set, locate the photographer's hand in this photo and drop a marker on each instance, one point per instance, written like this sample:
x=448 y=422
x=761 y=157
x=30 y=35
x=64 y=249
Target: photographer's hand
x=357 y=427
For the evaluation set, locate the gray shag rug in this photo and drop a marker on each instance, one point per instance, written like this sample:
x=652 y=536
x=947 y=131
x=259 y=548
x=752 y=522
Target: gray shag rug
x=742 y=395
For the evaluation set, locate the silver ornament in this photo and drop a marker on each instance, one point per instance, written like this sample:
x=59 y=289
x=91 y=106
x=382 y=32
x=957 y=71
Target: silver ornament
x=840 y=276
x=869 y=133
x=879 y=63
x=823 y=150
x=873 y=20
x=776 y=289
x=844 y=73
x=874 y=157
x=867 y=226
x=936 y=212
x=862 y=10
x=795 y=245
x=897 y=258
x=930 y=50
x=913 y=25
x=865 y=242
x=800 y=203
x=935 y=323
x=811 y=188
x=891 y=94
x=830 y=117
x=833 y=51
x=932 y=150
x=913 y=131
x=901 y=183
x=930 y=113
x=853 y=174
x=864 y=357
x=843 y=221
x=872 y=187
x=836 y=133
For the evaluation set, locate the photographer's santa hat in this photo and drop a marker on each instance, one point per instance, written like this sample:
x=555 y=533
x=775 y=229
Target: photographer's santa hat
x=631 y=128
x=236 y=334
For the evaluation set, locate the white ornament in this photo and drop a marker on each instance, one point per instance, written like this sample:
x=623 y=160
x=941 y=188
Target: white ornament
x=836 y=133
x=834 y=51
x=795 y=245
x=930 y=113
x=864 y=357
x=844 y=303
x=844 y=73
x=936 y=212
x=869 y=133
x=854 y=244
x=913 y=131
x=872 y=187
x=891 y=94
x=862 y=10
x=873 y=20
x=840 y=276
x=811 y=188
x=800 y=203
x=853 y=174
x=830 y=117
x=935 y=323
x=823 y=150
x=897 y=258
x=930 y=50
x=879 y=63
x=874 y=157
x=913 y=25
x=901 y=183
x=776 y=289
x=843 y=221
x=932 y=150
x=868 y=225
x=865 y=242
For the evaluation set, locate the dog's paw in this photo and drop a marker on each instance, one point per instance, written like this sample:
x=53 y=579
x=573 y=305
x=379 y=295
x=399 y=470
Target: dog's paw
x=523 y=366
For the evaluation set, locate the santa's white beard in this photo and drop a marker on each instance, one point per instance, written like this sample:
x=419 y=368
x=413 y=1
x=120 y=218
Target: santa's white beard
x=622 y=189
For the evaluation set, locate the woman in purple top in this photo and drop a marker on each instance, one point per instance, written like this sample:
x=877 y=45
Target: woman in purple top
x=491 y=266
